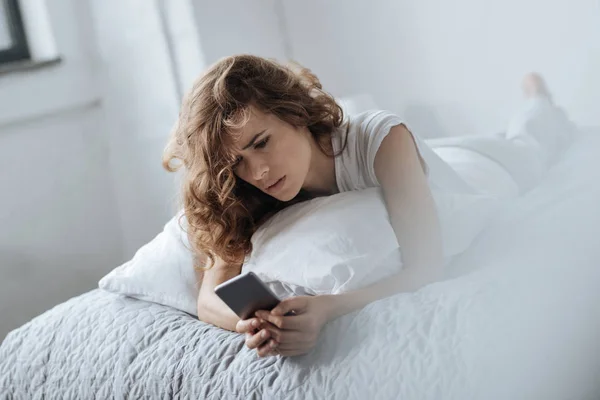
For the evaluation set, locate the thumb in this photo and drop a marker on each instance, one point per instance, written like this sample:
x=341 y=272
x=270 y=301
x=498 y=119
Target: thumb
x=298 y=304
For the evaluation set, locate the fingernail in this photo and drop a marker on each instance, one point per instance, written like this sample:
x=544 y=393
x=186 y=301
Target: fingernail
x=255 y=323
x=273 y=344
x=264 y=334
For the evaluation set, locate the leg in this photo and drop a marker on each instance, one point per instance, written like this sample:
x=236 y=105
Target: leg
x=536 y=137
x=540 y=124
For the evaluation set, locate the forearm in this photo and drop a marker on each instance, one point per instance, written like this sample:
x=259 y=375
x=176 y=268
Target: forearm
x=422 y=264
x=212 y=310
x=409 y=279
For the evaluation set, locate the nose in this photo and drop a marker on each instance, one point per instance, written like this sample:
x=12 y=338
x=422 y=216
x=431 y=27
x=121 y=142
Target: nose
x=258 y=169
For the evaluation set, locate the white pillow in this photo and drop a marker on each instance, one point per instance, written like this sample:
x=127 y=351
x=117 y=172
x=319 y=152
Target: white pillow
x=326 y=245
x=343 y=242
x=162 y=271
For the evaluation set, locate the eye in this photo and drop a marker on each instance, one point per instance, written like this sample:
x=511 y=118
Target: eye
x=262 y=143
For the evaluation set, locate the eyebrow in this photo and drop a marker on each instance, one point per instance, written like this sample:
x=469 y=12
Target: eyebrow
x=253 y=139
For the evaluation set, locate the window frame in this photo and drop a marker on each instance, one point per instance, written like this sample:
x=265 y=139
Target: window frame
x=19 y=51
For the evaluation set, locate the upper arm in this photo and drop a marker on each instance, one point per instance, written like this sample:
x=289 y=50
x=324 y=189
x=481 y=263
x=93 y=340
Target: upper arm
x=401 y=173
x=398 y=165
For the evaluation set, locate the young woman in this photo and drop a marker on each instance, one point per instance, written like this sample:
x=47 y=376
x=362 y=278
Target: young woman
x=254 y=136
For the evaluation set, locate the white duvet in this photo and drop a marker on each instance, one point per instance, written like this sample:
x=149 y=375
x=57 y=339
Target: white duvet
x=520 y=320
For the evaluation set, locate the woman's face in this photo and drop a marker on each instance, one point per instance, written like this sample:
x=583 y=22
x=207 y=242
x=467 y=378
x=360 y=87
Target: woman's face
x=273 y=155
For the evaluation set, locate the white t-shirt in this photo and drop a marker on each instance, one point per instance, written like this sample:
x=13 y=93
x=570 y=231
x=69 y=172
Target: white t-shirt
x=463 y=209
x=354 y=167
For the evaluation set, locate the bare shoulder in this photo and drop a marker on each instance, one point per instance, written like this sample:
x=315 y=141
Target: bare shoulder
x=398 y=153
x=399 y=139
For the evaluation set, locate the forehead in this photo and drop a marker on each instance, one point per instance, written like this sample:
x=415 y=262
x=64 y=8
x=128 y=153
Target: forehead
x=257 y=121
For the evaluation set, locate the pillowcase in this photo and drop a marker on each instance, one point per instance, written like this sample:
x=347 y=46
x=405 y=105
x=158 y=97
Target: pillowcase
x=346 y=241
x=326 y=245
x=162 y=271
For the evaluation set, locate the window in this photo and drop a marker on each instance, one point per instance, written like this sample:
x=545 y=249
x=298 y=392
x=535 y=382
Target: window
x=13 y=43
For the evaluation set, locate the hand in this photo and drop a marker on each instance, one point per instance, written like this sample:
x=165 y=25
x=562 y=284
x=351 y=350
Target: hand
x=297 y=334
x=257 y=336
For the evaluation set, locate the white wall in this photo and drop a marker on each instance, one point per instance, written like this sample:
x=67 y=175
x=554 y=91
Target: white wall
x=141 y=103
x=452 y=67
x=228 y=27
x=82 y=184
x=59 y=230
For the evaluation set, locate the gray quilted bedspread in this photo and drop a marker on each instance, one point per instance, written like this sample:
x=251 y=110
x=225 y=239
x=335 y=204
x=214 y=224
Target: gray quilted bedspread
x=467 y=338
x=524 y=325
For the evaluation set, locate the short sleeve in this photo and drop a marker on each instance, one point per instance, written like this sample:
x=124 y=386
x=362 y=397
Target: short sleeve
x=374 y=128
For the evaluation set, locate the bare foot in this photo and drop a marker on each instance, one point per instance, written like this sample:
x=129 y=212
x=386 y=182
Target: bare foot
x=533 y=85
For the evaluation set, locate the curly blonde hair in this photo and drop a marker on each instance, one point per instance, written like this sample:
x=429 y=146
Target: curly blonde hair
x=222 y=210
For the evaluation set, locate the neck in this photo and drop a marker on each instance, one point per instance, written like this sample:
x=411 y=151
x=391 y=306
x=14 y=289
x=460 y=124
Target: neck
x=321 y=180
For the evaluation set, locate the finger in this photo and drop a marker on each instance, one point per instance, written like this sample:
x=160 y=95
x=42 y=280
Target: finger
x=256 y=340
x=292 y=347
x=247 y=325
x=267 y=348
x=273 y=330
x=292 y=353
x=296 y=304
x=265 y=324
x=288 y=352
x=277 y=352
x=274 y=353
x=289 y=337
x=282 y=322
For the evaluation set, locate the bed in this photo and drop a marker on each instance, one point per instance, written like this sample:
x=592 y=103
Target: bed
x=517 y=317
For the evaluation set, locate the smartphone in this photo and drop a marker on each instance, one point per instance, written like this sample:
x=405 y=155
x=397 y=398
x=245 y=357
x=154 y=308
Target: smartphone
x=245 y=294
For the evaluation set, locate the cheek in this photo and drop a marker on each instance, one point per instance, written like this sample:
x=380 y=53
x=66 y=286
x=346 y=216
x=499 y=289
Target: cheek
x=291 y=155
x=243 y=174
x=299 y=151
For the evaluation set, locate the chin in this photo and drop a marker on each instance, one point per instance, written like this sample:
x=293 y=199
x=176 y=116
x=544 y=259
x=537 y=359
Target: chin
x=288 y=194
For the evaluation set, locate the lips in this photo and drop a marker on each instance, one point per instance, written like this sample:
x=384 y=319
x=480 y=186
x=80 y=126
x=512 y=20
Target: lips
x=274 y=185
x=269 y=186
